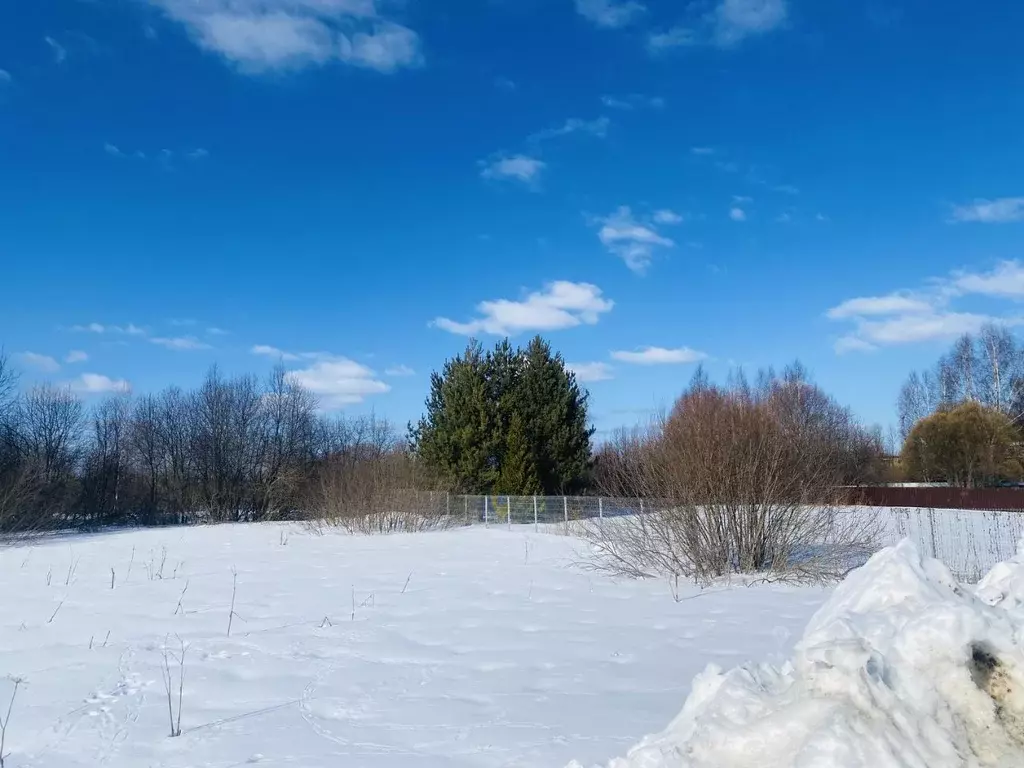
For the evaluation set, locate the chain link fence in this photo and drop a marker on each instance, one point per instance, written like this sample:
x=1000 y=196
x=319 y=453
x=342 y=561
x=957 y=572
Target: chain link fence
x=969 y=542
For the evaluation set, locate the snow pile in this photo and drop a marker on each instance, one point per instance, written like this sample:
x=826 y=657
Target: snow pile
x=901 y=667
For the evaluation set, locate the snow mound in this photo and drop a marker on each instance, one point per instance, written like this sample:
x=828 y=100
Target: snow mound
x=902 y=667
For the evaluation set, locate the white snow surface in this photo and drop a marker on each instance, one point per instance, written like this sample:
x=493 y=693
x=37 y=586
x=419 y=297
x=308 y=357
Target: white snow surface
x=466 y=648
x=902 y=667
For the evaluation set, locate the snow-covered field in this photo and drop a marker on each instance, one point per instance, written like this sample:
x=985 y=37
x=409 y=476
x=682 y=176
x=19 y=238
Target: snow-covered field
x=472 y=647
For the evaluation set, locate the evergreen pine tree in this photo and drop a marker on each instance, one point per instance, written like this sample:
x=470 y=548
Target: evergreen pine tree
x=518 y=476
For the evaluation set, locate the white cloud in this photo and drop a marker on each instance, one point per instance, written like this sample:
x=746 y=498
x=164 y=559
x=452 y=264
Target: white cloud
x=97 y=383
x=180 y=343
x=737 y=214
x=735 y=20
x=726 y=25
x=518 y=167
x=131 y=329
x=891 y=304
x=666 y=216
x=905 y=318
x=853 y=344
x=660 y=356
x=704 y=151
x=1000 y=211
x=633 y=101
x=338 y=381
x=610 y=14
x=76 y=356
x=261 y=35
x=215 y=331
x=60 y=53
x=197 y=154
x=629 y=239
x=597 y=127
x=561 y=304
x=590 y=372
x=1006 y=280
x=113 y=150
x=268 y=351
x=399 y=370
x=905 y=329
x=43 y=363
x=676 y=37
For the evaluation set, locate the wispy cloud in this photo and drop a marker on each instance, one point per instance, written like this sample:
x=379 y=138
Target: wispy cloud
x=736 y=20
x=97 y=384
x=268 y=351
x=1000 y=211
x=907 y=317
x=610 y=14
x=338 y=381
x=590 y=372
x=76 y=356
x=559 y=305
x=726 y=25
x=215 y=331
x=667 y=216
x=180 y=343
x=737 y=214
x=633 y=101
x=261 y=35
x=43 y=363
x=702 y=151
x=60 y=53
x=399 y=370
x=113 y=150
x=630 y=239
x=131 y=329
x=891 y=304
x=674 y=37
x=659 y=356
x=197 y=154
x=5 y=77
x=597 y=127
x=1006 y=280
x=515 y=167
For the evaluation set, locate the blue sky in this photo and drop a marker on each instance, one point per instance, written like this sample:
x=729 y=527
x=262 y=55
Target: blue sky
x=357 y=185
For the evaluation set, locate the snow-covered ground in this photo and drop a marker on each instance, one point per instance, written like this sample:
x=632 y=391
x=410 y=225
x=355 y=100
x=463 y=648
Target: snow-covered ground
x=902 y=668
x=472 y=647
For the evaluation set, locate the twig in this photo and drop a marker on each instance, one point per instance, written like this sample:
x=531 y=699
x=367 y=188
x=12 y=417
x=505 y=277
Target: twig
x=91 y=638
x=326 y=621
x=72 y=567
x=130 y=563
x=408 y=579
x=182 y=597
x=49 y=620
x=49 y=575
x=371 y=600
x=111 y=578
x=234 y=588
x=175 y=723
x=5 y=721
x=105 y=639
x=353 y=607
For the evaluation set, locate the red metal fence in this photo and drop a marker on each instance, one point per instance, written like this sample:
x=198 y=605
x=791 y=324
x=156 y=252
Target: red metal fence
x=941 y=498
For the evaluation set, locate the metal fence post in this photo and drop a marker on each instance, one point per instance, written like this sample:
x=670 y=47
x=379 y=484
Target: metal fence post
x=600 y=508
x=508 y=508
x=535 y=527
x=565 y=509
x=486 y=499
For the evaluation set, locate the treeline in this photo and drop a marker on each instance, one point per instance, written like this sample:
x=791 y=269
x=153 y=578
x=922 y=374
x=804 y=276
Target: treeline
x=232 y=449
x=962 y=421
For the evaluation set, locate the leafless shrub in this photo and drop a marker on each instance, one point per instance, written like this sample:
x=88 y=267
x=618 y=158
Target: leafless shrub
x=370 y=484
x=747 y=479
